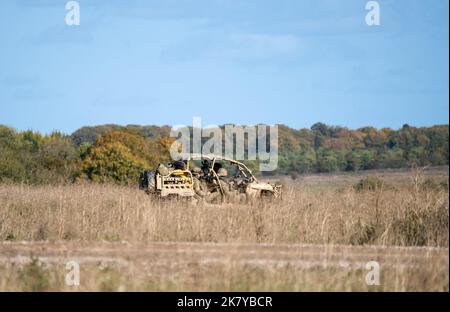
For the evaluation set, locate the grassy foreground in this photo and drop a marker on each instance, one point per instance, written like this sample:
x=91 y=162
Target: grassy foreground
x=322 y=211
x=109 y=266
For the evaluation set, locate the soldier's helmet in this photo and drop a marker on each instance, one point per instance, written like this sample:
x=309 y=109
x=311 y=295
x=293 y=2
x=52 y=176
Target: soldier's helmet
x=222 y=172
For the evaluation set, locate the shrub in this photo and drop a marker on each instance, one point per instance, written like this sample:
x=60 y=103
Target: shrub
x=364 y=233
x=433 y=185
x=34 y=277
x=369 y=183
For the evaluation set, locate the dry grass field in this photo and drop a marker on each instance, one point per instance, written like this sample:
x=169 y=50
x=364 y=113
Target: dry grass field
x=319 y=237
x=115 y=266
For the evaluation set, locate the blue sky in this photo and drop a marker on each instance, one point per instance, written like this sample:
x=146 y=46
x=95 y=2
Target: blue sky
x=245 y=62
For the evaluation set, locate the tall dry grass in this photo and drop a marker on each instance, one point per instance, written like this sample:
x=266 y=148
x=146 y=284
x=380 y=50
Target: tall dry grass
x=408 y=215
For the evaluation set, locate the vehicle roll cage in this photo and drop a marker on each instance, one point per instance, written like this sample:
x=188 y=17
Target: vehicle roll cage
x=211 y=157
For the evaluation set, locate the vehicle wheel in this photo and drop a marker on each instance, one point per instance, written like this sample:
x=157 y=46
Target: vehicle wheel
x=147 y=180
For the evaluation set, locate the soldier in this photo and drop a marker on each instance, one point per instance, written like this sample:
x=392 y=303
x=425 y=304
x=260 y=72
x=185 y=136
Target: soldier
x=228 y=191
x=199 y=189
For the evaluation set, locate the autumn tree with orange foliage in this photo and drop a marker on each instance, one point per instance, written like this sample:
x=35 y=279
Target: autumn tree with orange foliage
x=119 y=156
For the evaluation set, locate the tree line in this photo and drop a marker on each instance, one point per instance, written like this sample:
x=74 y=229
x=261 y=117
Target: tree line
x=112 y=153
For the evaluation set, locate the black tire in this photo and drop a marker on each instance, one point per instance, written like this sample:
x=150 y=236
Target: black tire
x=147 y=180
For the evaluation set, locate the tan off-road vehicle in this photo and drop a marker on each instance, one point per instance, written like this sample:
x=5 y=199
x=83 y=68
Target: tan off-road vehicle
x=216 y=179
